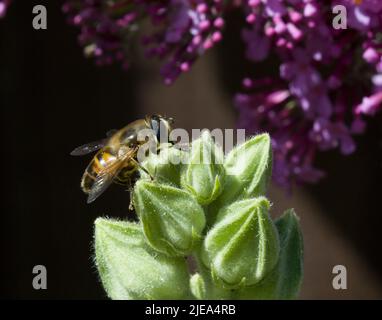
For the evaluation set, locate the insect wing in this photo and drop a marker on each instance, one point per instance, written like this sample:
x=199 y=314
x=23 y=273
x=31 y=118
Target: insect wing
x=102 y=182
x=106 y=176
x=89 y=148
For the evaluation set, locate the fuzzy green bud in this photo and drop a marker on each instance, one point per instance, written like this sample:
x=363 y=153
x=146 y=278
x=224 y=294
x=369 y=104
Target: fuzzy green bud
x=130 y=269
x=198 y=287
x=166 y=166
x=285 y=280
x=248 y=169
x=204 y=175
x=243 y=246
x=172 y=219
x=244 y=255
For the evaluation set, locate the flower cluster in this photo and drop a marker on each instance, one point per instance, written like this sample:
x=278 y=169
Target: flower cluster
x=4 y=4
x=327 y=80
x=211 y=210
x=180 y=30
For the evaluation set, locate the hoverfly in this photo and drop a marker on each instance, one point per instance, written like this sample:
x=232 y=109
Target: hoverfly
x=116 y=160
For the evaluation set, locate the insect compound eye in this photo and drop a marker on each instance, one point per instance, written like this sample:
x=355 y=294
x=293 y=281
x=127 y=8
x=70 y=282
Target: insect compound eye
x=155 y=126
x=161 y=128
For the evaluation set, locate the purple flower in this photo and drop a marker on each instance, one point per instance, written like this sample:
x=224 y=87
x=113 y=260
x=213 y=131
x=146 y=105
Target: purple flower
x=182 y=30
x=4 y=4
x=257 y=43
x=188 y=29
x=293 y=148
x=370 y=105
x=104 y=26
x=329 y=79
x=362 y=16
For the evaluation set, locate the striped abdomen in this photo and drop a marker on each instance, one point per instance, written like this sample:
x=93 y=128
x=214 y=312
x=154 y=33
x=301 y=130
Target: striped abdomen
x=101 y=160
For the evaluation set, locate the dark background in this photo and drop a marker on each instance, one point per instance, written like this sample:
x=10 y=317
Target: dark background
x=52 y=99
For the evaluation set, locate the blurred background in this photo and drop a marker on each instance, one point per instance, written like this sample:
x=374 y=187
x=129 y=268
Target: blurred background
x=52 y=99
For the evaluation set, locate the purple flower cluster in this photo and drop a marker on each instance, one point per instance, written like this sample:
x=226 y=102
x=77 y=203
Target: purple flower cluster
x=326 y=82
x=181 y=30
x=4 y=4
x=188 y=29
x=105 y=28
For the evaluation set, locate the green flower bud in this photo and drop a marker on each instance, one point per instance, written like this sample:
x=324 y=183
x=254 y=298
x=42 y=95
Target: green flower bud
x=172 y=219
x=203 y=286
x=243 y=246
x=166 y=166
x=248 y=169
x=244 y=255
x=204 y=176
x=198 y=287
x=285 y=280
x=130 y=269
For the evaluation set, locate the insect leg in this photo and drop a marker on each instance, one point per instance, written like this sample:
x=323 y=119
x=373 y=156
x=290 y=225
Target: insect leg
x=143 y=168
x=130 y=188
